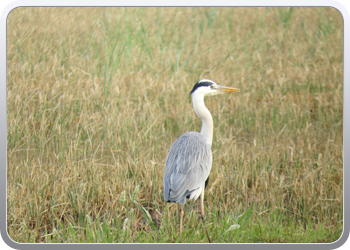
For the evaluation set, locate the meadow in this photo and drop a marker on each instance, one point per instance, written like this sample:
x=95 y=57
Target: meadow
x=96 y=97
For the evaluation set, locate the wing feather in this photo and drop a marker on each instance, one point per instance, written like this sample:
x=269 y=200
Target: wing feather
x=187 y=167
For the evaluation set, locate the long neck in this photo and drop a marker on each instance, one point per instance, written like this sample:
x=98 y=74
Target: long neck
x=203 y=113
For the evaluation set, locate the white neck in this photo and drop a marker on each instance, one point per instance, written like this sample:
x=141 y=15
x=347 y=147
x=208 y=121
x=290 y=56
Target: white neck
x=203 y=113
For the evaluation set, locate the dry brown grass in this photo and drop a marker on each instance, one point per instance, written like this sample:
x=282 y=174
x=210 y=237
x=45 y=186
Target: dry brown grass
x=96 y=96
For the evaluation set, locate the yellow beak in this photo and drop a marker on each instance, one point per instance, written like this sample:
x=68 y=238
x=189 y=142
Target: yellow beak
x=226 y=89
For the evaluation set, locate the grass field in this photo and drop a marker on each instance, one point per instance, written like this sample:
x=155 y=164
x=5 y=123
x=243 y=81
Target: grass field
x=96 y=97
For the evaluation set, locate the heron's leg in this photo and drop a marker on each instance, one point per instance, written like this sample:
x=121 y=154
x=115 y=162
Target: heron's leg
x=181 y=216
x=203 y=214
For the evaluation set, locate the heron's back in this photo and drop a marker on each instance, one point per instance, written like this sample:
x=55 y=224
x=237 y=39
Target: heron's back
x=187 y=167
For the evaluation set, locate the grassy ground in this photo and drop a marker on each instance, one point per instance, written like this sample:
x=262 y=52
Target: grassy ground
x=96 y=96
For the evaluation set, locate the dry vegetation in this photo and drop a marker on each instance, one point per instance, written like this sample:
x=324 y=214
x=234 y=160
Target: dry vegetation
x=96 y=96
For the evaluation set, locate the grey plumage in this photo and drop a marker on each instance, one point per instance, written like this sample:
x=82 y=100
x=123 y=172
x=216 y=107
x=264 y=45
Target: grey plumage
x=187 y=167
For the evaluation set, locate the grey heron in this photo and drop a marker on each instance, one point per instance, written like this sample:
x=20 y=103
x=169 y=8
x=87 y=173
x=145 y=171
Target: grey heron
x=189 y=160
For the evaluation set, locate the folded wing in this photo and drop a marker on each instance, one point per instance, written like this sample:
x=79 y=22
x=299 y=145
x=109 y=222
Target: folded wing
x=187 y=167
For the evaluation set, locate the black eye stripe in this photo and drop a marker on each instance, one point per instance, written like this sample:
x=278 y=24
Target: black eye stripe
x=200 y=84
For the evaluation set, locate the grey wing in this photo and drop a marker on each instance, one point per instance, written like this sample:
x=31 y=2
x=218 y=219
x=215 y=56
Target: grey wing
x=187 y=167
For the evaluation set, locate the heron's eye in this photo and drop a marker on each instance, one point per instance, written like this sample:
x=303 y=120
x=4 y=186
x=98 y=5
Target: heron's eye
x=211 y=86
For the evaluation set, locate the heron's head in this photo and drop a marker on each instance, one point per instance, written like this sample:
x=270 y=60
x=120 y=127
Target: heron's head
x=208 y=87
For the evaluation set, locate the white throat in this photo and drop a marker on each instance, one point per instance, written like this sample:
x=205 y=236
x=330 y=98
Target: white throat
x=203 y=113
